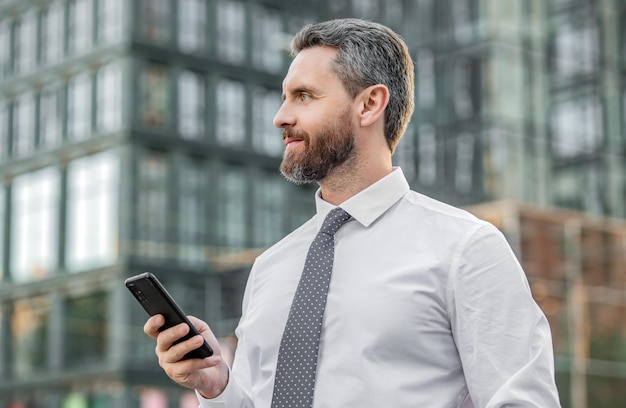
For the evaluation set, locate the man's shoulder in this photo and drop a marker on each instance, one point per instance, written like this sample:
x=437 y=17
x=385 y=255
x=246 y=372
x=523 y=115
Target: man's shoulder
x=423 y=205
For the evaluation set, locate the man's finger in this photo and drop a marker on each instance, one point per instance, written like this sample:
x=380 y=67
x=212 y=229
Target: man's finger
x=152 y=326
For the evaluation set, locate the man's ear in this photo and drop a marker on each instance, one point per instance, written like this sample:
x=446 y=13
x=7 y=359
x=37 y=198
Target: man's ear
x=373 y=101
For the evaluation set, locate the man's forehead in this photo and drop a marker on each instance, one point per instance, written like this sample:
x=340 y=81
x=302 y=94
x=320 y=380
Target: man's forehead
x=310 y=64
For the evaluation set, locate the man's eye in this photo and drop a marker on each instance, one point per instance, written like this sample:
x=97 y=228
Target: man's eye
x=305 y=97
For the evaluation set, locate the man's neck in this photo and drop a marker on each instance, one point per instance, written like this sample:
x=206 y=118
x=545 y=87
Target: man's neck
x=345 y=182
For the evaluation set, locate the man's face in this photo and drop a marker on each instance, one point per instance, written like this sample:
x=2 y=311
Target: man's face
x=329 y=147
x=316 y=118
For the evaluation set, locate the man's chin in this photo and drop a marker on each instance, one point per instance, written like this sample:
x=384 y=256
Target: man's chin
x=298 y=176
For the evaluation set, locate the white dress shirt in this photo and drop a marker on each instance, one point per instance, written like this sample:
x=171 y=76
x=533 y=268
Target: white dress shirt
x=428 y=307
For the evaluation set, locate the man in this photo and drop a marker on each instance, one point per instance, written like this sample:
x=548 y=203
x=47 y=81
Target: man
x=427 y=305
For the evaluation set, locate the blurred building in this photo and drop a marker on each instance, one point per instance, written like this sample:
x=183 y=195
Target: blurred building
x=136 y=135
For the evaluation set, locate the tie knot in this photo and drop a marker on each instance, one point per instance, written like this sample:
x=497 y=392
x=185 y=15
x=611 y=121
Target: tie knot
x=334 y=220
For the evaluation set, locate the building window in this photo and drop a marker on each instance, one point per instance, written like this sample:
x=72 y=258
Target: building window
x=367 y=9
x=394 y=13
x=231 y=112
x=4 y=130
x=581 y=188
x=79 y=107
x=29 y=335
x=231 y=31
x=269 y=199
x=109 y=103
x=2 y=238
x=34 y=224
x=464 y=163
x=420 y=20
x=193 y=219
x=152 y=207
x=192 y=25
x=92 y=211
x=50 y=117
x=52 y=33
x=79 y=26
x=24 y=125
x=266 y=138
x=191 y=105
x=404 y=155
x=463 y=16
x=577 y=127
x=266 y=39
x=110 y=21
x=154 y=93
x=465 y=88
x=425 y=67
x=25 y=42
x=5 y=49
x=85 y=329
x=155 y=20
x=427 y=155
x=232 y=210
x=576 y=46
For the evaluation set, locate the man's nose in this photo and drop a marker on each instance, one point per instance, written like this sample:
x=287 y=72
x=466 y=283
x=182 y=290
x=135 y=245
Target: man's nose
x=284 y=117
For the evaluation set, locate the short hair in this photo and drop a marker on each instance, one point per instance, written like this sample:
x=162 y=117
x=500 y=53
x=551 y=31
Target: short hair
x=368 y=54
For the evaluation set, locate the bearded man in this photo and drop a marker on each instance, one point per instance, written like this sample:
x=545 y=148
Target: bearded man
x=385 y=298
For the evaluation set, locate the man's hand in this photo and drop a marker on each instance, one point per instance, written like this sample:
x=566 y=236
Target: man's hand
x=209 y=376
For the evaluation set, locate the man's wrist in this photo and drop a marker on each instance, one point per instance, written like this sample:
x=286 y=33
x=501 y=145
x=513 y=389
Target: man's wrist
x=216 y=390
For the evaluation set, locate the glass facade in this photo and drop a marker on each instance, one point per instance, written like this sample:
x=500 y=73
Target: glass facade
x=231 y=31
x=233 y=210
x=192 y=25
x=110 y=21
x=79 y=107
x=52 y=33
x=154 y=20
x=109 y=98
x=50 y=117
x=154 y=95
x=3 y=217
x=24 y=124
x=194 y=225
x=265 y=136
x=5 y=47
x=191 y=105
x=231 y=112
x=92 y=211
x=34 y=224
x=29 y=333
x=5 y=146
x=152 y=212
x=80 y=25
x=85 y=330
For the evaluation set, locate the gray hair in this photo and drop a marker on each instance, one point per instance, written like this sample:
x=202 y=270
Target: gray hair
x=368 y=54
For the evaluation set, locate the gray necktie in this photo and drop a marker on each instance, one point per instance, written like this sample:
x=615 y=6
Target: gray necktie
x=297 y=356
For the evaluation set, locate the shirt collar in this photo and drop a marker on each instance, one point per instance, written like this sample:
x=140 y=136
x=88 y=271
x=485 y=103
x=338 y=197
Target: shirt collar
x=371 y=203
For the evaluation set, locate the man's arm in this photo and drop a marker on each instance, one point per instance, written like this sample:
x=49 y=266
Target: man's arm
x=502 y=336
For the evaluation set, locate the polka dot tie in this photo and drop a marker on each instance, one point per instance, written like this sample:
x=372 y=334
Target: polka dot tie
x=297 y=356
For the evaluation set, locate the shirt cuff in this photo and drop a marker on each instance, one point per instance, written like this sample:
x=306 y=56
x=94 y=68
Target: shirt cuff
x=232 y=396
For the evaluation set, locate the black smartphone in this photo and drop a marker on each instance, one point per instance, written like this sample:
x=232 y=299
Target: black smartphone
x=156 y=300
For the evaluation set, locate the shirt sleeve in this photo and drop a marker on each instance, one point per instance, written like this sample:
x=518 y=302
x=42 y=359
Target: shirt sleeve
x=233 y=396
x=502 y=336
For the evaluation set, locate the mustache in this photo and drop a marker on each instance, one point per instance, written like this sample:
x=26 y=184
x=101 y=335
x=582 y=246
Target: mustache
x=295 y=134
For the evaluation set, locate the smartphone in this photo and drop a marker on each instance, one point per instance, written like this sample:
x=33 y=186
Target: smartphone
x=153 y=297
